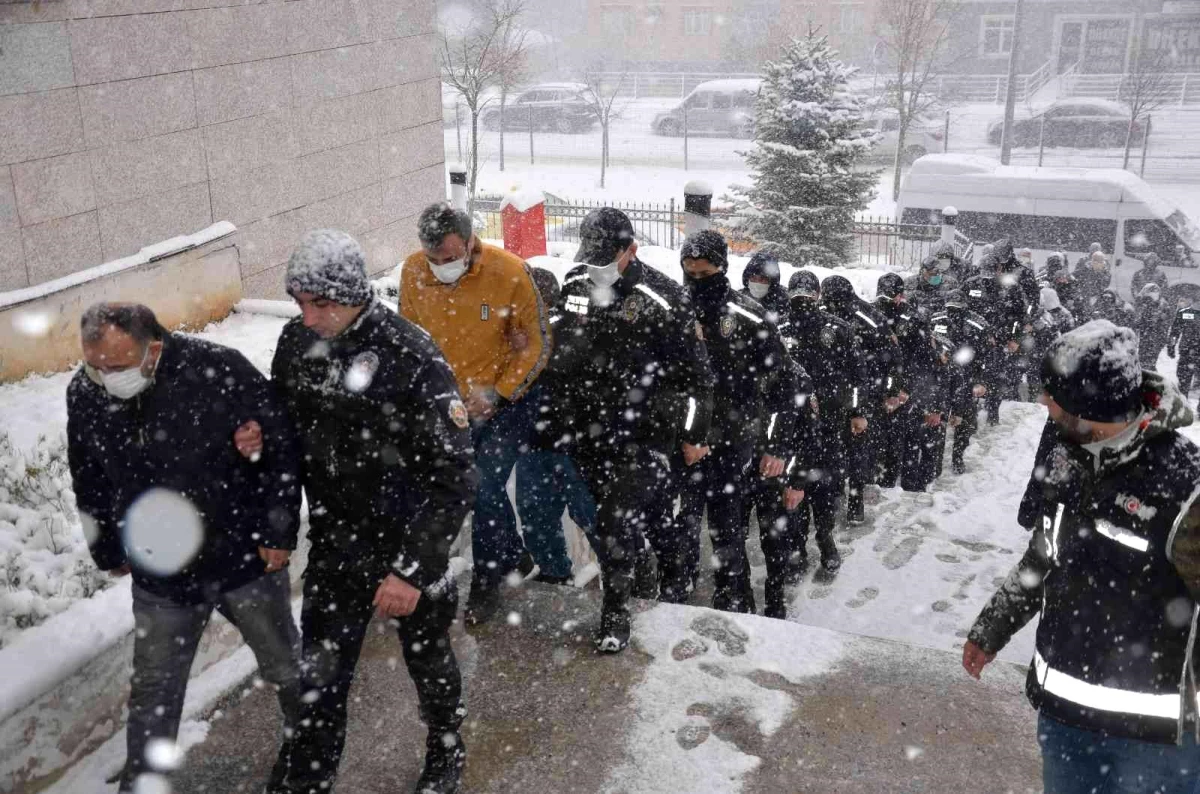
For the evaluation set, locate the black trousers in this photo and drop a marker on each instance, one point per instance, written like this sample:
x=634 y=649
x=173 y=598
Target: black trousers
x=818 y=510
x=337 y=609
x=890 y=436
x=765 y=498
x=716 y=484
x=1188 y=369
x=861 y=450
x=966 y=429
x=921 y=449
x=678 y=561
x=627 y=488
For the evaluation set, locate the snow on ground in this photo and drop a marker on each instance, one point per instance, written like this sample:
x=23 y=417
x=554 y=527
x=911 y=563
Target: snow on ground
x=684 y=753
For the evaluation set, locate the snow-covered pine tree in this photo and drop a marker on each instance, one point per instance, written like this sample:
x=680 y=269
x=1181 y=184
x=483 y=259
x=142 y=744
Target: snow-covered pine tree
x=809 y=136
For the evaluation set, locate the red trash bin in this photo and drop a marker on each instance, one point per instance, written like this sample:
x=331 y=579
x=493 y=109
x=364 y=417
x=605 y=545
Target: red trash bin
x=523 y=215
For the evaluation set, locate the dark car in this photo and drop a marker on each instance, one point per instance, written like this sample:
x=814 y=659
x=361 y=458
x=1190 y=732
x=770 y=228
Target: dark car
x=1079 y=123
x=551 y=107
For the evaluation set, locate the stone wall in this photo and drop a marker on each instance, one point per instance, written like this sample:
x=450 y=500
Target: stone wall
x=126 y=122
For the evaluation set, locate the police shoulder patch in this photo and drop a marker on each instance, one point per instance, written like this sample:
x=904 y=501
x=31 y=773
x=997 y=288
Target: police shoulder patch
x=632 y=308
x=828 y=337
x=727 y=325
x=458 y=414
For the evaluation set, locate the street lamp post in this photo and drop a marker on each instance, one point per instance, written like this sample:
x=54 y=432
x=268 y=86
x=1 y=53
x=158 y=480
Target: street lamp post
x=1010 y=96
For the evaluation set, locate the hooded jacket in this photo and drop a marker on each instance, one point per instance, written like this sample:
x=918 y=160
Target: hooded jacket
x=1113 y=567
x=776 y=299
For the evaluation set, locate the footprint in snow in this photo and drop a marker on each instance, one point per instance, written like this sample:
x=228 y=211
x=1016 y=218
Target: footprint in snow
x=947 y=558
x=864 y=595
x=902 y=553
x=688 y=649
x=974 y=545
x=693 y=735
x=730 y=639
x=941 y=606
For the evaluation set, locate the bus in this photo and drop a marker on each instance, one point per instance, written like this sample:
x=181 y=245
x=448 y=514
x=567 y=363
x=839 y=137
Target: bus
x=1058 y=210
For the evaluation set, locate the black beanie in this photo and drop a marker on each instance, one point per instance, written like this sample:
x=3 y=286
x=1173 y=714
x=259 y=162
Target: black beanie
x=329 y=264
x=889 y=286
x=706 y=244
x=1094 y=372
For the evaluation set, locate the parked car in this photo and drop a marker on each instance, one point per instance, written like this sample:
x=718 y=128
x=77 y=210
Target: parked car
x=551 y=107
x=1079 y=123
x=924 y=136
x=718 y=107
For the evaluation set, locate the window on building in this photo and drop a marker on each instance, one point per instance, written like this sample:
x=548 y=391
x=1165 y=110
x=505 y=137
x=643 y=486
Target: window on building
x=654 y=13
x=996 y=36
x=697 y=21
x=617 y=20
x=848 y=18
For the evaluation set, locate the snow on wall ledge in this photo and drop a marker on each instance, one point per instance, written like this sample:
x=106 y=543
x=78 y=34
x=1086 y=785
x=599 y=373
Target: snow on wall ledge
x=189 y=281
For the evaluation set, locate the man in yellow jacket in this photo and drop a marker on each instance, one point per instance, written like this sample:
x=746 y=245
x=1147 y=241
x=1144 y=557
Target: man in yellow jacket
x=481 y=307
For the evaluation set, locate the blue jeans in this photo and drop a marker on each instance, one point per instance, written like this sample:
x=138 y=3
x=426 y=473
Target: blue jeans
x=165 y=640
x=547 y=484
x=499 y=442
x=1077 y=761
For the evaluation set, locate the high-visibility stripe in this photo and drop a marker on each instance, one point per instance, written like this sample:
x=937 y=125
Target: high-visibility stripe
x=1121 y=535
x=854 y=398
x=977 y=325
x=739 y=310
x=1095 y=696
x=889 y=384
x=659 y=299
x=771 y=426
x=791 y=465
x=1054 y=528
x=691 y=414
x=870 y=322
x=580 y=277
x=555 y=319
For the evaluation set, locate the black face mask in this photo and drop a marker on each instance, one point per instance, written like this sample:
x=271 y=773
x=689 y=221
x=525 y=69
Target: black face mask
x=707 y=293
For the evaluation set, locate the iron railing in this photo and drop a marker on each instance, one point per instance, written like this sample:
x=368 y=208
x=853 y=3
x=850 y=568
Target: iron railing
x=878 y=241
x=1180 y=88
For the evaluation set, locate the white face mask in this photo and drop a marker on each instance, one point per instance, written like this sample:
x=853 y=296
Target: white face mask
x=605 y=275
x=449 y=272
x=759 y=290
x=126 y=384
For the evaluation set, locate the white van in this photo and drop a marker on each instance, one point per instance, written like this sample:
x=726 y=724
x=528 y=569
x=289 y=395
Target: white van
x=1055 y=209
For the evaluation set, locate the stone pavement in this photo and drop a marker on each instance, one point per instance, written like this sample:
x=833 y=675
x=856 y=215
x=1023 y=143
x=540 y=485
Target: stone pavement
x=547 y=714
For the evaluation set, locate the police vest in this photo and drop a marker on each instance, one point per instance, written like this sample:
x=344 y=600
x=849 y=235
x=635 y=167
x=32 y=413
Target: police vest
x=1118 y=628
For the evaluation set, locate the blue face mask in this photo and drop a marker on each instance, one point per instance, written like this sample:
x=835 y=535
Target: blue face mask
x=935 y=280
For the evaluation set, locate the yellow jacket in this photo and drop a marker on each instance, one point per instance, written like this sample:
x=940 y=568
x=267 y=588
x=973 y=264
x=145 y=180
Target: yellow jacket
x=490 y=324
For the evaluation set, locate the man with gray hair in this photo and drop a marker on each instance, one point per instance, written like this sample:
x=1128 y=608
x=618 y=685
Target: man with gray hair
x=185 y=474
x=389 y=475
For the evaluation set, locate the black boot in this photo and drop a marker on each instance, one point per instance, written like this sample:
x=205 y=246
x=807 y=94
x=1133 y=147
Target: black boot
x=855 y=513
x=645 y=575
x=956 y=462
x=482 y=603
x=613 y=636
x=775 y=602
x=445 y=756
x=831 y=559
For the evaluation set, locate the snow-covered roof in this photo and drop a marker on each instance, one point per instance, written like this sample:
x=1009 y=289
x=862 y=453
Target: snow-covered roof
x=557 y=87
x=750 y=84
x=954 y=164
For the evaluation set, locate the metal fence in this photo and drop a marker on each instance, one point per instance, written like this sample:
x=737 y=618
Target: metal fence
x=878 y=241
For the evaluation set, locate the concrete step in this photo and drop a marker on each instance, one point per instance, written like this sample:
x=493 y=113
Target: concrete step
x=701 y=701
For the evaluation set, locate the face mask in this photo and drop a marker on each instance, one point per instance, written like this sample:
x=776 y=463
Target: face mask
x=935 y=280
x=126 y=384
x=605 y=275
x=449 y=272
x=758 y=290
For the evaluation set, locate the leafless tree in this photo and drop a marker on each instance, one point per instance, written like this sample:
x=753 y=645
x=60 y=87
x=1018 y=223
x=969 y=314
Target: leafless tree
x=485 y=54
x=1145 y=89
x=916 y=46
x=600 y=93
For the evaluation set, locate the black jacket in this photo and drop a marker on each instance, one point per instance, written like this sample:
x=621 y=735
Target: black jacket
x=387 y=460
x=1091 y=282
x=999 y=300
x=776 y=299
x=1146 y=276
x=1185 y=332
x=920 y=374
x=178 y=435
x=631 y=370
x=1114 y=569
x=969 y=342
x=877 y=353
x=1153 y=323
x=926 y=298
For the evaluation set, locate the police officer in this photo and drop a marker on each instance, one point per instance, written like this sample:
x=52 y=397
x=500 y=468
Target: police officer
x=878 y=355
x=389 y=475
x=1113 y=568
x=996 y=296
x=917 y=388
x=754 y=384
x=626 y=348
x=970 y=347
x=1184 y=341
x=823 y=345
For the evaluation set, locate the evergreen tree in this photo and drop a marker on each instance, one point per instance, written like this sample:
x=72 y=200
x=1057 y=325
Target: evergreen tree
x=809 y=135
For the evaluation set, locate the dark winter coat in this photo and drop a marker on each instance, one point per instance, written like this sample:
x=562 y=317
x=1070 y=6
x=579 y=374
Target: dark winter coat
x=926 y=298
x=776 y=299
x=876 y=351
x=755 y=386
x=1112 y=307
x=632 y=372
x=178 y=435
x=1000 y=300
x=1068 y=294
x=1091 y=283
x=1148 y=276
x=388 y=466
x=1152 y=324
x=1185 y=332
x=920 y=374
x=1114 y=568
x=971 y=346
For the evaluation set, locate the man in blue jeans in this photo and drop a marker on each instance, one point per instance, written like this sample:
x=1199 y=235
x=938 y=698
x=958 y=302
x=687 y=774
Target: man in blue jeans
x=185 y=468
x=1113 y=568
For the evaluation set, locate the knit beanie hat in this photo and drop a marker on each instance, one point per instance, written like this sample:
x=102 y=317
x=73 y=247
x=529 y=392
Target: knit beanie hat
x=707 y=244
x=1093 y=372
x=330 y=264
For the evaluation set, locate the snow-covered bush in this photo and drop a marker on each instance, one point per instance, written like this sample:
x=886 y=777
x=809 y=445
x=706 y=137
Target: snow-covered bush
x=44 y=561
x=809 y=140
